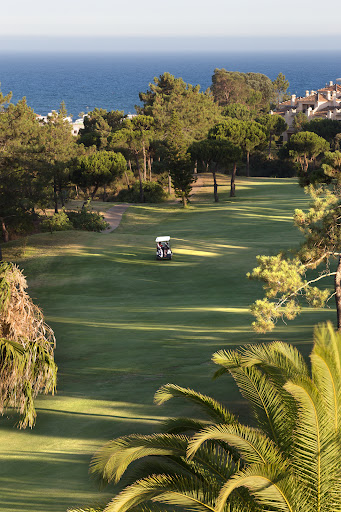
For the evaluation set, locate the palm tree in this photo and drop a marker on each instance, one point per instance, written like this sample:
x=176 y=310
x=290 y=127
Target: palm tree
x=27 y=344
x=288 y=461
x=161 y=464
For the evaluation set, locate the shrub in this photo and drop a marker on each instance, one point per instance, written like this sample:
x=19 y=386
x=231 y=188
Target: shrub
x=153 y=193
x=260 y=165
x=87 y=220
x=58 y=222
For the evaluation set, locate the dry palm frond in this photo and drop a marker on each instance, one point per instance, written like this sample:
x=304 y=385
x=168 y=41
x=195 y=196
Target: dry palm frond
x=26 y=347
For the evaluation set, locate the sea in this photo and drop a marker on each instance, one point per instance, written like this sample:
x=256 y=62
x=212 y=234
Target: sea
x=112 y=81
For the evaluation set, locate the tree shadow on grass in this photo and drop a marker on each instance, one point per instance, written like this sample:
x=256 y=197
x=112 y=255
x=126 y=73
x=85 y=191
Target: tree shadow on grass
x=48 y=481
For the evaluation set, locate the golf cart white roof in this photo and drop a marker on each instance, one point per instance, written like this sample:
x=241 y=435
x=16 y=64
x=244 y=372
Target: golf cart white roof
x=162 y=239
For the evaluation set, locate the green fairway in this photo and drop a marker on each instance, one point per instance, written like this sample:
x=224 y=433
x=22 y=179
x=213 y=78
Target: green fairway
x=126 y=324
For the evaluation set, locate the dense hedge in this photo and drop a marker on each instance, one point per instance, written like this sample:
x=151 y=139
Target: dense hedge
x=153 y=193
x=275 y=168
x=84 y=219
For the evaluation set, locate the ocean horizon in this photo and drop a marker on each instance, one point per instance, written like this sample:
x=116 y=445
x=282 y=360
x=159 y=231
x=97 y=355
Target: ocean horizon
x=113 y=80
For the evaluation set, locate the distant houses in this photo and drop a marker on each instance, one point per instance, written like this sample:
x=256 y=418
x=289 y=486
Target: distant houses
x=75 y=126
x=323 y=103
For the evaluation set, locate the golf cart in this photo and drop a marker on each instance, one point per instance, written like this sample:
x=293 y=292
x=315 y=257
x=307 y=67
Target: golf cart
x=163 y=250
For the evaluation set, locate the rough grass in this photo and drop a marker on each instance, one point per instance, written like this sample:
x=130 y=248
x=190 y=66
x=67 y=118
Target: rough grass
x=126 y=324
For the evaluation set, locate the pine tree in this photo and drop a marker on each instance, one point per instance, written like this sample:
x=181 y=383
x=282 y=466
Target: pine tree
x=213 y=153
x=178 y=160
x=286 y=276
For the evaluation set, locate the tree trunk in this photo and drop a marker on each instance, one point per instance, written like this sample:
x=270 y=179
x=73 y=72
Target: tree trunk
x=196 y=167
x=140 y=179
x=338 y=294
x=104 y=192
x=270 y=140
x=169 y=183
x=61 y=195
x=184 y=200
x=144 y=163
x=233 y=180
x=127 y=179
x=55 y=196
x=94 y=191
x=305 y=163
x=248 y=164
x=215 y=186
x=5 y=234
x=150 y=161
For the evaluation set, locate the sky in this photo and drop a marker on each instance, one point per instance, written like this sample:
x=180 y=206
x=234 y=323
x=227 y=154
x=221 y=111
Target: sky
x=171 y=22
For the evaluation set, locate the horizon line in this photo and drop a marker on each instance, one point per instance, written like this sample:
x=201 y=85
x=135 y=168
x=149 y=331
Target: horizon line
x=167 y=43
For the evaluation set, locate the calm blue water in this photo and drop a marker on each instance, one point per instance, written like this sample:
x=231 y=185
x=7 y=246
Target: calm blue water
x=113 y=81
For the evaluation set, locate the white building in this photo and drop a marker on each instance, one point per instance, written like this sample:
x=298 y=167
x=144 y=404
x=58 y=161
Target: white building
x=323 y=103
x=75 y=126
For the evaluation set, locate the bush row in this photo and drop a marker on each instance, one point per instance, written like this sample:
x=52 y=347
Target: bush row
x=84 y=219
x=152 y=191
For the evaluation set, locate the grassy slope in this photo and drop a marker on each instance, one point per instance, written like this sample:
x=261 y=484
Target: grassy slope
x=126 y=324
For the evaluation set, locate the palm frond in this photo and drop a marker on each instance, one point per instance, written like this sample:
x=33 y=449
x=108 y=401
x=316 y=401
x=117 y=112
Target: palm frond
x=252 y=445
x=271 y=489
x=329 y=340
x=179 y=492
x=219 y=373
x=10 y=349
x=316 y=459
x=86 y=509
x=112 y=460
x=182 y=425
x=161 y=452
x=271 y=405
x=326 y=369
x=208 y=405
x=279 y=361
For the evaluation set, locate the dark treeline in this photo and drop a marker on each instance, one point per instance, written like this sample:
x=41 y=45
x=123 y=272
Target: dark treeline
x=178 y=131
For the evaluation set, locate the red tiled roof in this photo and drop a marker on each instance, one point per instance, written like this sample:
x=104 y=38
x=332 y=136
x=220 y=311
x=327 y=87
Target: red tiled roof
x=312 y=97
x=335 y=87
x=329 y=107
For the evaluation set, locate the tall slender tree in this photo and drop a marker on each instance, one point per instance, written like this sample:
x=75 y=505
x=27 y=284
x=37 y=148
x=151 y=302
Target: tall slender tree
x=135 y=136
x=280 y=86
x=22 y=185
x=214 y=153
x=57 y=148
x=178 y=161
x=273 y=125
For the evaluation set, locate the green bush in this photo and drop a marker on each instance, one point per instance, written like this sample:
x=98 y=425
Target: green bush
x=87 y=220
x=22 y=223
x=58 y=222
x=153 y=193
x=260 y=165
